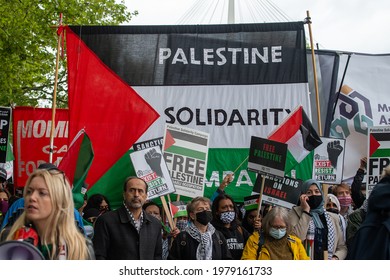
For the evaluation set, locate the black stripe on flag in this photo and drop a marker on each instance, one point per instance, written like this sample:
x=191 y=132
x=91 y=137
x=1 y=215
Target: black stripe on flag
x=240 y=54
x=188 y=137
x=381 y=136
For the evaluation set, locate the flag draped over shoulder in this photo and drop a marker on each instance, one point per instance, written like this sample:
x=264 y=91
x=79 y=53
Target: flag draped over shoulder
x=299 y=134
x=110 y=111
x=76 y=164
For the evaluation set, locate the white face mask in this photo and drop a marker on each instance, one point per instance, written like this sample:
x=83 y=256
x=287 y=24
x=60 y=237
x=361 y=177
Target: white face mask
x=277 y=233
x=228 y=217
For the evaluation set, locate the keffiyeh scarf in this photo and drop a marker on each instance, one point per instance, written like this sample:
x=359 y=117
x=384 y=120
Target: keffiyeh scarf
x=204 y=250
x=314 y=232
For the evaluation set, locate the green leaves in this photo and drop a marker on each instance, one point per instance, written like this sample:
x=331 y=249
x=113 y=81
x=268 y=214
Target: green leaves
x=28 y=45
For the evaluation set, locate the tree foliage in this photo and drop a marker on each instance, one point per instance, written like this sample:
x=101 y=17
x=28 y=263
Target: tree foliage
x=28 y=44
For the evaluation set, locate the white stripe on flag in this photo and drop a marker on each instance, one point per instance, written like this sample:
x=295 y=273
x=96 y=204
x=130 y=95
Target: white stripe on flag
x=384 y=144
x=190 y=145
x=296 y=148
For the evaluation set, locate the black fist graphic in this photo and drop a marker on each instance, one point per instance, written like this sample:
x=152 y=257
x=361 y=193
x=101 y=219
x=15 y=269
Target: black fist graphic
x=153 y=159
x=334 y=150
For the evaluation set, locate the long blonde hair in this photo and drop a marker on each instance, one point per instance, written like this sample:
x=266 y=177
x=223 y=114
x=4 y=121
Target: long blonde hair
x=62 y=223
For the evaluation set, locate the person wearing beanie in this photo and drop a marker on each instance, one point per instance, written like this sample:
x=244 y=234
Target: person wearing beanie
x=318 y=229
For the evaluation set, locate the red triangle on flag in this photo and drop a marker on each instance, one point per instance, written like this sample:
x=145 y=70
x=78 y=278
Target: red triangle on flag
x=106 y=107
x=174 y=209
x=169 y=140
x=374 y=144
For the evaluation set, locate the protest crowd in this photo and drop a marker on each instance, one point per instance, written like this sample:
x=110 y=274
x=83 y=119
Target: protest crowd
x=325 y=224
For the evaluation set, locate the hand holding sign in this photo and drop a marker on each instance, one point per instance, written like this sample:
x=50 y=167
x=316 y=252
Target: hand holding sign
x=153 y=159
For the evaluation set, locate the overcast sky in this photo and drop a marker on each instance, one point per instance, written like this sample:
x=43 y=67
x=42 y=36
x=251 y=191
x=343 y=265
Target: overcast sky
x=344 y=25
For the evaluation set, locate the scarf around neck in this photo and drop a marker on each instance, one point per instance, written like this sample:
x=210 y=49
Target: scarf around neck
x=204 y=250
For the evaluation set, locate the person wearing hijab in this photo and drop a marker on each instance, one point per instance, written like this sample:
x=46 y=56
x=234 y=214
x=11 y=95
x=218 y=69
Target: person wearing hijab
x=318 y=229
x=333 y=205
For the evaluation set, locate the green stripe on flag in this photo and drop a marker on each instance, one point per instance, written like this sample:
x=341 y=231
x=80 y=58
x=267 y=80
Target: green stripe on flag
x=10 y=155
x=381 y=153
x=186 y=152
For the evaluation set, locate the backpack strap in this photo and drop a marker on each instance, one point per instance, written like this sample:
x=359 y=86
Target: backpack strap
x=240 y=230
x=260 y=244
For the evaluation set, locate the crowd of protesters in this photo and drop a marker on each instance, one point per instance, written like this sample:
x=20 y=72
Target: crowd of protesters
x=324 y=225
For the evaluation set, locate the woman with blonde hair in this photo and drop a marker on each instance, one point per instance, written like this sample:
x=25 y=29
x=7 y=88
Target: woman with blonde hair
x=49 y=210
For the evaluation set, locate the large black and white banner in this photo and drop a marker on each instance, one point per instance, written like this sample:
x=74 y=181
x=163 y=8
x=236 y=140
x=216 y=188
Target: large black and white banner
x=230 y=81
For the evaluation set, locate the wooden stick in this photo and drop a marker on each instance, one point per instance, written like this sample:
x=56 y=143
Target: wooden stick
x=53 y=106
x=241 y=164
x=167 y=212
x=314 y=74
x=260 y=195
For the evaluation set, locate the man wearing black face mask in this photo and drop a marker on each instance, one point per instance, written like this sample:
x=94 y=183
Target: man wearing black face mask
x=200 y=240
x=318 y=229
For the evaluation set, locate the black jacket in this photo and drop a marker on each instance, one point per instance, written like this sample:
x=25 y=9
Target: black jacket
x=116 y=238
x=184 y=247
x=236 y=237
x=372 y=240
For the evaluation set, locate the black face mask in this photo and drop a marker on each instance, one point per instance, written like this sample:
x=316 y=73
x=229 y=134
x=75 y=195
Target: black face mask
x=333 y=210
x=204 y=217
x=314 y=201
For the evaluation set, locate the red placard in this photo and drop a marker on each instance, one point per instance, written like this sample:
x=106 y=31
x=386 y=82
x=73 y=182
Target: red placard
x=31 y=138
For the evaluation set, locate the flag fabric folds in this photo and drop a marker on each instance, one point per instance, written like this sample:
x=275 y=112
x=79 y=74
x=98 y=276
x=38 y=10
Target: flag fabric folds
x=110 y=111
x=76 y=164
x=230 y=81
x=299 y=134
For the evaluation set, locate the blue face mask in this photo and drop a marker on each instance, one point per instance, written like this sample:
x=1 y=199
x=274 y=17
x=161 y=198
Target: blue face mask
x=277 y=233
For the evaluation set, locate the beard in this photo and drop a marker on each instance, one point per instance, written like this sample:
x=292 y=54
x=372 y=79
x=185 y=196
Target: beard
x=135 y=203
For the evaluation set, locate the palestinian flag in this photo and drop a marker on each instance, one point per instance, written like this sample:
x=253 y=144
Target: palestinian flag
x=379 y=145
x=299 y=134
x=186 y=144
x=76 y=164
x=251 y=202
x=178 y=209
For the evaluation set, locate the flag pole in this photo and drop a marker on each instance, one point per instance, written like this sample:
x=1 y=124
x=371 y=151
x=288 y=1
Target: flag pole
x=308 y=21
x=167 y=212
x=54 y=102
x=260 y=195
x=241 y=164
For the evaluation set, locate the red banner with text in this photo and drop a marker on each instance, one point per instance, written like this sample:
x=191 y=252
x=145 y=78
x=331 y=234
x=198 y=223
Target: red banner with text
x=31 y=138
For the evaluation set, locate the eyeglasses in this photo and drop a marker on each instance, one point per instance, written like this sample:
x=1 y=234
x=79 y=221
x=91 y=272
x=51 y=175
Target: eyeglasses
x=279 y=227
